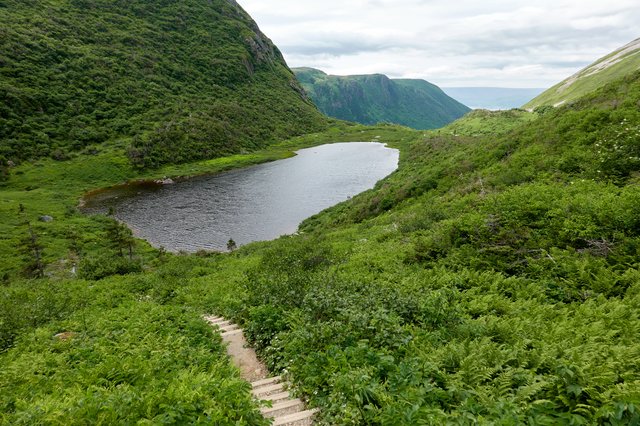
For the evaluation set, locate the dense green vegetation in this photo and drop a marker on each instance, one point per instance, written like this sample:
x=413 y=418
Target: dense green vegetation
x=371 y=99
x=168 y=81
x=618 y=64
x=493 y=279
x=115 y=352
x=105 y=337
x=482 y=122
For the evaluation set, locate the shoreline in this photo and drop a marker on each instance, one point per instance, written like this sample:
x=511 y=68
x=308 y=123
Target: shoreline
x=211 y=168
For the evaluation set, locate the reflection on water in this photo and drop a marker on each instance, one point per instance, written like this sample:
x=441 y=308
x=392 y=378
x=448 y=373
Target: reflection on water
x=257 y=203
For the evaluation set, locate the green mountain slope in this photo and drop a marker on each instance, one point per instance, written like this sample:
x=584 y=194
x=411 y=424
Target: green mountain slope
x=370 y=99
x=493 y=279
x=623 y=61
x=176 y=81
x=476 y=285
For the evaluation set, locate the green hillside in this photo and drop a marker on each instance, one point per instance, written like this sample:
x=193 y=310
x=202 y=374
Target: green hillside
x=169 y=81
x=618 y=64
x=371 y=99
x=482 y=122
x=493 y=279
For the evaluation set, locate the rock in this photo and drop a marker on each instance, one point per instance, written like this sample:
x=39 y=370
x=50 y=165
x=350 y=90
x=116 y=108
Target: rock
x=66 y=335
x=165 y=181
x=45 y=218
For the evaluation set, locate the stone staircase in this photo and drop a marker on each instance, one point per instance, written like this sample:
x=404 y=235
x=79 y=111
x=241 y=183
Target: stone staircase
x=285 y=410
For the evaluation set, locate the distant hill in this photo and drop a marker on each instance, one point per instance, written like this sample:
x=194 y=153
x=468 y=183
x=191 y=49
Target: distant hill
x=618 y=64
x=370 y=99
x=492 y=98
x=176 y=81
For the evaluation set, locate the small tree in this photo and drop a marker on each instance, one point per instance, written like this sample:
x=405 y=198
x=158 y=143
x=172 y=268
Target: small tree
x=75 y=246
x=231 y=245
x=4 y=168
x=31 y=247
x=120 y=236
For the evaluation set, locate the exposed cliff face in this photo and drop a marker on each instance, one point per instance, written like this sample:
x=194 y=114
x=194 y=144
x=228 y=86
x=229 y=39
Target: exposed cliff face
x=262 y=48
x=370 y=99
x=180 y=80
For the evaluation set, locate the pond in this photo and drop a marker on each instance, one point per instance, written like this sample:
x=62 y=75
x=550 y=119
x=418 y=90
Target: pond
x=256 y=203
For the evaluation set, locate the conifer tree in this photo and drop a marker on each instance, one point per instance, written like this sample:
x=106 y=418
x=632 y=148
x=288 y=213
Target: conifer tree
x=120 y=237
x=32 y=249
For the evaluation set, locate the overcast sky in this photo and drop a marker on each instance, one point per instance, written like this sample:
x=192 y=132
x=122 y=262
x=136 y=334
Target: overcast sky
x=503 y=43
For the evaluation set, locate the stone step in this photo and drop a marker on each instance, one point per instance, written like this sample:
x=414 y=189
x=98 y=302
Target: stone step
x=264 y=382
x=277 y=397
x=265 y=391
x=229 y=327
x=283 y=408
x=302 y=418
x=213 y=319
x=231 y=333
x=222 y=323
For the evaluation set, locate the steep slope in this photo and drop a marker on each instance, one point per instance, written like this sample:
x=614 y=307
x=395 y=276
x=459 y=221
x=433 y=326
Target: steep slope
x=370 y=99
x=476 y=284
x=178 y=80
x=623 y=61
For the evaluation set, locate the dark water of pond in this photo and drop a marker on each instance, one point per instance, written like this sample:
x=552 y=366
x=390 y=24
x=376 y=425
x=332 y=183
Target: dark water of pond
x=253 y=204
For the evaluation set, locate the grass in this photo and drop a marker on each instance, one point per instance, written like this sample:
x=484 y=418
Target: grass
x=484 y=123
x=138 y=350
x=587 y=82
x=492 y=279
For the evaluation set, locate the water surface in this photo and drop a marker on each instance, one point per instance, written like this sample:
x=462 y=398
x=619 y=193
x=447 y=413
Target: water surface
x=257 y=203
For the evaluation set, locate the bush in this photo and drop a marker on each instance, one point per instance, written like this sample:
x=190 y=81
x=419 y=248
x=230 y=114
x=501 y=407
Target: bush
x=102 y=266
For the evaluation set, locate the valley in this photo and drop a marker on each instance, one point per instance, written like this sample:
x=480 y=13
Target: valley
x=373 y=99
x=492 y=98
x=487 y=273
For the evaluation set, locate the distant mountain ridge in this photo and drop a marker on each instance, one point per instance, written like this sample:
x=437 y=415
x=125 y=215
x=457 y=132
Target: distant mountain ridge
x=618 y=64
x=173 y=81
x=375 y=98
x=492 y=98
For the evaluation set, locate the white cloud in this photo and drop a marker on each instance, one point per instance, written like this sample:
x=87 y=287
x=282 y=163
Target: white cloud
x=509 y=43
